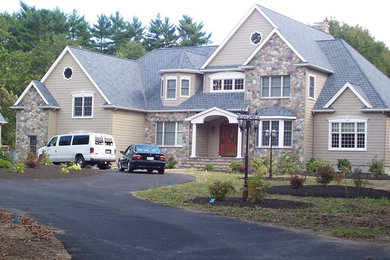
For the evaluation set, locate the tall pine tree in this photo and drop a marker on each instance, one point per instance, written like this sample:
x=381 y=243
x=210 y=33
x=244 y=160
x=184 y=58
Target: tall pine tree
x=191 y=34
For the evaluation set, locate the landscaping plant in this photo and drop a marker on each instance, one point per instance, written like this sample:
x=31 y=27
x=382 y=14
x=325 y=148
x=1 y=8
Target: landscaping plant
x=376 y=167
x=44 y=159
x=296 y=181
x=220 y=190
x=31 y=160
x=357 y=178
x=259 y=167
x=208 y=167
x=18 y=167
x=5 y=164
x=344 y=167
x=257 y=188
x=325 y=175
x=311 y=166
x=289 y=163
x=171 y=162
x=236 y=167
x=5 y=155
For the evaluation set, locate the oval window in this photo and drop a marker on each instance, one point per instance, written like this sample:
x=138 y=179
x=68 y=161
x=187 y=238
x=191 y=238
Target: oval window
x=68 y=73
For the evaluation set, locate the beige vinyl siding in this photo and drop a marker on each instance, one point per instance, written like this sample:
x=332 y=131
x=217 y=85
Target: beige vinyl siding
x=206 y=82
x=179 y=76
x=127 y=128
x=320 y=80
x=239 y=47
x=62 y=91
x=348 y=105
x=202 y=140
x=198 y=82
x=52 y=123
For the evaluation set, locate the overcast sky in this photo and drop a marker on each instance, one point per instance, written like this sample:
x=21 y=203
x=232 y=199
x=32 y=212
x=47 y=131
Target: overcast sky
x=220 y=16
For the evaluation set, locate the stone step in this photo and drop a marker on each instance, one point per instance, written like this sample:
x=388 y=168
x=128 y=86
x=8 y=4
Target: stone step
x=219 y=163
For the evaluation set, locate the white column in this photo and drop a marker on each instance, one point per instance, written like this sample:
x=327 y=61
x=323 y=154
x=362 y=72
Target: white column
x=193 y=145
x=239 y=143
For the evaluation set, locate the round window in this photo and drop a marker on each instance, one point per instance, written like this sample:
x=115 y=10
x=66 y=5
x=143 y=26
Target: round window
x=255 y=38
x=68 y=73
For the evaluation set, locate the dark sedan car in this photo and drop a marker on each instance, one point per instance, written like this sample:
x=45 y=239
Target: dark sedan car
x=142 y=156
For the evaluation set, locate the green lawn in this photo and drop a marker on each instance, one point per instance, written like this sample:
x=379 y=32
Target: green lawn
x=359 y=219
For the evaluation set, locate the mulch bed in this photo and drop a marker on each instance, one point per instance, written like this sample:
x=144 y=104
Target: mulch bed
x=333 y=191
x=47 y=172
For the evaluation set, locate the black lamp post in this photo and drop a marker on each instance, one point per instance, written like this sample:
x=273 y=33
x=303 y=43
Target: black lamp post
x=244 y=122
x=271 y=137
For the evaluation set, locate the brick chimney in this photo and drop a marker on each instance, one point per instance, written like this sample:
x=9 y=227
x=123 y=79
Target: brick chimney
x=322 y=26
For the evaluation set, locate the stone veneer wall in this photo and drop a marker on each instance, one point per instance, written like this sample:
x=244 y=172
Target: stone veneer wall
x=275 y=59
x=31 y=120
x=178 y=152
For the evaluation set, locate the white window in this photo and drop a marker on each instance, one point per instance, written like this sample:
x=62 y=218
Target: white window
x=312 y=86
x=82 y=105
x=185 y=86
x=348 y=134
x=275 y=86
x=171 y=88
x=283 y=133
x=169 y=133
x=162 y=88
x=227 y=82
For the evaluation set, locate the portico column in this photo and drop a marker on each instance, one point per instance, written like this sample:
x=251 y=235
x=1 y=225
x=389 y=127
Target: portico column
x=239 y=143
x=193 y=145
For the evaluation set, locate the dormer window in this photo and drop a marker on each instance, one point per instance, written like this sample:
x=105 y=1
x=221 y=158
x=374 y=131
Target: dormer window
x=227 y=82
x=184 y=86
x=171 y=88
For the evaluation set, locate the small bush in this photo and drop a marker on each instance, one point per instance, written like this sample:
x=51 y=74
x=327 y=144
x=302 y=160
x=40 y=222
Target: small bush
x=257 y=188
x=296 y=181
x=73 y=166
x=344 y=167
x=44 y=159
x=5 y=164
x=236 y=167
x=259 y=167
x=357 y=178
x=325 y=175
x=18 y=167
x=171 y=162
x=4 y=155
x=311 y=166
x=31 y=160
x=208 y=167
x=289 y=163
x=64 y=171
x=376 y=167
x=220 y=190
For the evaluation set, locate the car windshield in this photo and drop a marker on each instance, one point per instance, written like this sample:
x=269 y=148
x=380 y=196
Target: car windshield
x=144 y=148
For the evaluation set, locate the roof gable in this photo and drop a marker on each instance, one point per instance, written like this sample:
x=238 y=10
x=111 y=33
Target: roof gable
x=212 y=112
x=43 y=92
x=357 y=90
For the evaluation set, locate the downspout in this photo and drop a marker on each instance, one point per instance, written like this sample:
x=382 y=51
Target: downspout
x=312 y=137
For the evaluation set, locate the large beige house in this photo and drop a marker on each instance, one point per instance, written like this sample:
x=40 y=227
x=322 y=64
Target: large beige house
x=323 y=99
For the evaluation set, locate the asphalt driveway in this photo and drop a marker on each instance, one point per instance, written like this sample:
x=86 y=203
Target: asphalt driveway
x=100 y=219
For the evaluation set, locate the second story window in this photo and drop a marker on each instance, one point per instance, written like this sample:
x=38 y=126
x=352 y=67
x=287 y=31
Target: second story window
x=275 y=87
x=185 y=87
x=82 y=105
x=312 y=84
x=171 y=88
x=227 y=82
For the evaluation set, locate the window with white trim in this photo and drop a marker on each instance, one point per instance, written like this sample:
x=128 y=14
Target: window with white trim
x=169 y=133
x=184 y=87
x=171 y=88
x=282 y=128
x=82 y=105
x=312 y=85
x=227 y=82
x=348 y=134
x=162 y=88
x=275 y=86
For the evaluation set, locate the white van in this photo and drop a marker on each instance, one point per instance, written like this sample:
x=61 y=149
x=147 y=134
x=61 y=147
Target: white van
x=82 y=148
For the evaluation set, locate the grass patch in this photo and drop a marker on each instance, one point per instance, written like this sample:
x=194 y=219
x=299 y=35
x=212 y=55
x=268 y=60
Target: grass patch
x=360 y=219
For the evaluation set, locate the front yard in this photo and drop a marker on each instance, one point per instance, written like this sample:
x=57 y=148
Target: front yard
x=363 y=219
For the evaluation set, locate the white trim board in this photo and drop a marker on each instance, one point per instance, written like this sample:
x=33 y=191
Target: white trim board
x=341 y=91
x=32 y=84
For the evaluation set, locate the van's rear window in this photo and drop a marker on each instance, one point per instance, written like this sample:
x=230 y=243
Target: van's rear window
x=108 y=141
x=80 y=139
x=65 y=140
x=98 y=140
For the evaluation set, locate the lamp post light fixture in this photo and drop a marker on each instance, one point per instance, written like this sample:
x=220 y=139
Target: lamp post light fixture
x=271 y=137
x=245 y=122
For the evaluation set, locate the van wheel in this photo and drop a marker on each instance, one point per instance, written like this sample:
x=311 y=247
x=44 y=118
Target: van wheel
x=103 y=166
x=120 y=168
x=80 y=161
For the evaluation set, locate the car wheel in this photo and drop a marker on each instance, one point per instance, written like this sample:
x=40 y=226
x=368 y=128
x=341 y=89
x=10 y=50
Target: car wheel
x=120 y=168
x=80 y=161
x=129 y=167
x=161 y=171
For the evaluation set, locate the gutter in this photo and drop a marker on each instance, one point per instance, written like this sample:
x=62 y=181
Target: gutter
x=323 y=111
x=383 y=110
x=309 y=65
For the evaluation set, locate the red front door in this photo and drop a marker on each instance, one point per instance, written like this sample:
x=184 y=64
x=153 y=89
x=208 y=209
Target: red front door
x=228 y=139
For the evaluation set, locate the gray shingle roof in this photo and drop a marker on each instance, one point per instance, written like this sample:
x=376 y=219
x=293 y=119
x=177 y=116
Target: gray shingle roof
x=46 y=94
x=302 y=37
x=350 y=66
x=276 y=111
x=119 y=79
x=2 y=120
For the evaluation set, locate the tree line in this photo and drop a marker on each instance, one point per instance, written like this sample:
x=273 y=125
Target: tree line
x=31 y=39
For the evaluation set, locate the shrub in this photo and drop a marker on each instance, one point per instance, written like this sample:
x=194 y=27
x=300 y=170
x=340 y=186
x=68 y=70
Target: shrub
x=344 y=167
x=208 y=167
x=325 y=175
x=257 y=188
x=296 y=181
x=5 y=164
x=236 y=167
x=220 y=190
x=259 y=167
x=357 y=178
x=171 y=162
x=73 y=166
x=311 y=166
x=18 y=167
x=31 y=160
x=289 y=163
x=4 y=155
x=44 y=159
x=64 y=170
x=376 y=167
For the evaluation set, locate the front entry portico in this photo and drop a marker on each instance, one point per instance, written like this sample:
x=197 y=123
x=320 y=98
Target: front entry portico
x=215 y=133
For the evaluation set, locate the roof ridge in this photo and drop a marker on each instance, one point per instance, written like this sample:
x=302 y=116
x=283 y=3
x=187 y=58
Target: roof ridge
x=102 y=54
